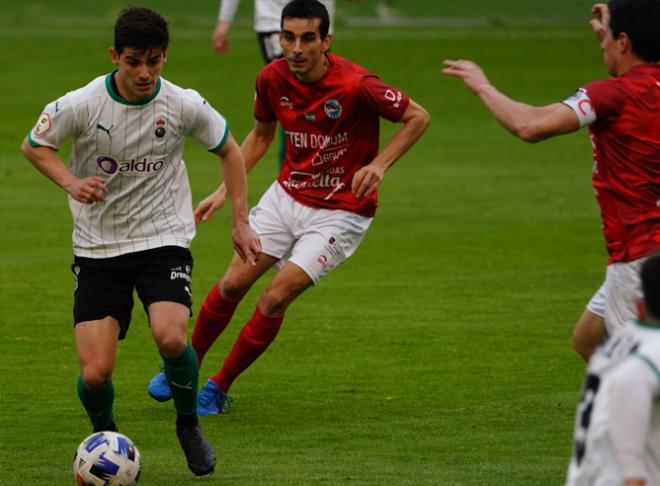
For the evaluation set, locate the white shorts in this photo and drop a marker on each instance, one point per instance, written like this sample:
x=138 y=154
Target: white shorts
x=315 y=239
x=597 y=303
x=622 y=291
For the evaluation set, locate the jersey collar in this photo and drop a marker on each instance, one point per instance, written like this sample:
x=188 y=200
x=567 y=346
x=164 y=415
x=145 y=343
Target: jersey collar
x=117 y=97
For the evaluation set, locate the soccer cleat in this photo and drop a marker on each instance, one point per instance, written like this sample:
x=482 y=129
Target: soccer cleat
x=159 y=388
x=198 y=451
x=212 y=400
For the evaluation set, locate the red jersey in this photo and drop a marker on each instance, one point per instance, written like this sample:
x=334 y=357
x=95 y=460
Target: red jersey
x=332 y=129
x=623 y=114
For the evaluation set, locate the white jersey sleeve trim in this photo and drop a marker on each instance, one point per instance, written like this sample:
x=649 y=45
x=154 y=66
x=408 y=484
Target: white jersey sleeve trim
x=580 y=103
x=228 y=10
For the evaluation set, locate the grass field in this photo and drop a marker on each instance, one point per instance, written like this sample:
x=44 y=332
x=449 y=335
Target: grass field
x=439 y=354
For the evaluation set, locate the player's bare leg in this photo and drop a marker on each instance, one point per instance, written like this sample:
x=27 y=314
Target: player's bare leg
x=96 y=342
x=588 y=333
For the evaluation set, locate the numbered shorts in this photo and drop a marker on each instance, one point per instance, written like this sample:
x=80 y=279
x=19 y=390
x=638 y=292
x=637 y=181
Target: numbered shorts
x=104 y=286
x=315 y=239
x=623 y=288
x=269 y=42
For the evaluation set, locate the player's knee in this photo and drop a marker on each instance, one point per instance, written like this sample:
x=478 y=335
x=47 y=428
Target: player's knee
x=232 y=289
x=273 y=302
x=172 y=344
x=96 y=378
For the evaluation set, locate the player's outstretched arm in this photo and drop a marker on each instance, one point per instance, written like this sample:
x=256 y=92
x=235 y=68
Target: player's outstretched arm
x=245 y=240
x=530 y=123
x=415 y=121
x=45 y=159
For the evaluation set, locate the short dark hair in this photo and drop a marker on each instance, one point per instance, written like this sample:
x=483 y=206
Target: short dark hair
x=141 y=29
x=650 y=276
x=307 y=9
x=640 y=20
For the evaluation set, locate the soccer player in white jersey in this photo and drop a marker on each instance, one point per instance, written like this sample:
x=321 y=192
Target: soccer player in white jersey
x=267 y=15
x=133 y=219
x=617 y=428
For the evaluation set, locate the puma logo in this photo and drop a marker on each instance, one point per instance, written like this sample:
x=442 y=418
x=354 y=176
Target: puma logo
x=106 y=130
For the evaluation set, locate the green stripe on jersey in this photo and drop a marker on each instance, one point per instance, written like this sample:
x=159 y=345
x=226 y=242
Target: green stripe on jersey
x=115 y=96
x=648 y=361
x=224 y=139
x=32 y=142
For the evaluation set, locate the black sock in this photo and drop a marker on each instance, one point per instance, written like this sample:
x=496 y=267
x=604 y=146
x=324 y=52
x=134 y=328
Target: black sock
x=186 y=421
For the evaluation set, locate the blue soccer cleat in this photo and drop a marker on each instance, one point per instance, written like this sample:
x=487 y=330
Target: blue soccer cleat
x=159 y=388
x=212 y=400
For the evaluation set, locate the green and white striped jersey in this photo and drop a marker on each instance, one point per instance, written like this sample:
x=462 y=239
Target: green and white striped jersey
x=137 y=146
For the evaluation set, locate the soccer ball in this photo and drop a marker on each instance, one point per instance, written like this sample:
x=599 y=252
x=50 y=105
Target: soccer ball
x=107 y=459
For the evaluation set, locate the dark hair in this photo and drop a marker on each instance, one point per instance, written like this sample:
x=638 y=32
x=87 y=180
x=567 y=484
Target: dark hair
x=640 y=20
x=307 y=9
x=141 y=29
x=650 y=276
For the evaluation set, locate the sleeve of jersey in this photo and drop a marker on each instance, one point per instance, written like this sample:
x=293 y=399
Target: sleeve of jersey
x=600 y=100
x=228 y=10
x=56 y=124
x=633 y=388
x=263 y=111
x=208 y=126
x=385 y=100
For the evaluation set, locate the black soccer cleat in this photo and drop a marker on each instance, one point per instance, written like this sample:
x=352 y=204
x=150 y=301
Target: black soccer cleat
x=199 y=453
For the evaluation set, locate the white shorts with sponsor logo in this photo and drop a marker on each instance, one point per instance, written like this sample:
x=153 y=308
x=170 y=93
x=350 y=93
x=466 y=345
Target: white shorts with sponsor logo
x=315 y=239
x=623 y=288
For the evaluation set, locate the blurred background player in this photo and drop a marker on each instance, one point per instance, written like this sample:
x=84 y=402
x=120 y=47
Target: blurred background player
x=317 y=212
x=617 y=428
x=133 y=219
x=267 y=18
x=624 y=126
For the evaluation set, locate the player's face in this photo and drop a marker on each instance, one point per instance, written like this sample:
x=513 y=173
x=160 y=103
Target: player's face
x=304 y=48
x=138 y=71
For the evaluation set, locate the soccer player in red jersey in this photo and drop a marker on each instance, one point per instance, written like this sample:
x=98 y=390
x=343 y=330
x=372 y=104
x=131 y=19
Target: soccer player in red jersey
x=317 y=212
x=623 y=115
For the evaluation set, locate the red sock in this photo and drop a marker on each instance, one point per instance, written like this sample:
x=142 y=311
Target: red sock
x=253 y=340
x=215 y=314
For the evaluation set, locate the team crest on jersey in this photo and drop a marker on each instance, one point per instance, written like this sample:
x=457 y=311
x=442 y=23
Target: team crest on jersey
x=332 y=108
x=43 y=125
x=161 y=123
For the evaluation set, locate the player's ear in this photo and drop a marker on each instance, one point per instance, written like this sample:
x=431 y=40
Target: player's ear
x=325 y=45
x=164 y=55
x=623 y=41
x=114 y=56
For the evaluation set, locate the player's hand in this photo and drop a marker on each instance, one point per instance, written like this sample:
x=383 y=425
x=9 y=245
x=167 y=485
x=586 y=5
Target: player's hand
x=471 y=74
x=210 y=204
x=602 y=21
x=220 y=40
x=366 y=180
x=246 y=243
x=88 y=190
